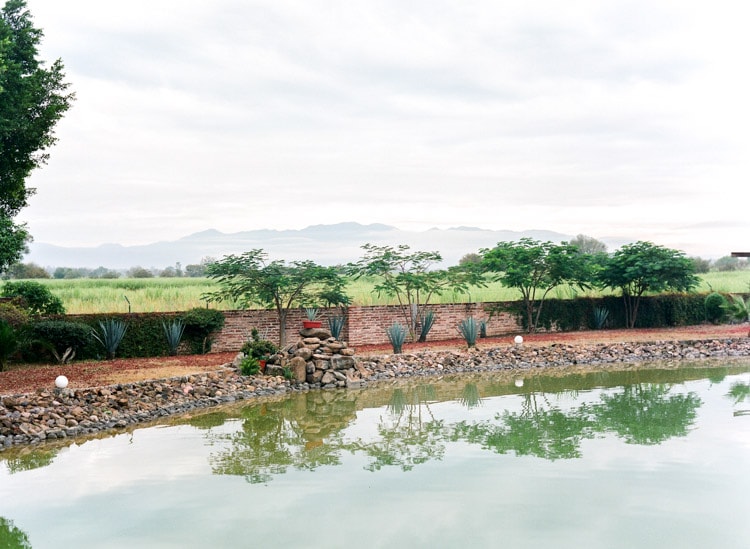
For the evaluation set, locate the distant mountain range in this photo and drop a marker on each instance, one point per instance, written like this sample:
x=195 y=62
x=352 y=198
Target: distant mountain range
x=325 y=244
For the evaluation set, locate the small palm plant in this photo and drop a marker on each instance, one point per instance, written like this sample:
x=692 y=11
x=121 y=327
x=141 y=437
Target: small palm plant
x=469 y=330
x=739 y=309
x=396 y=335
x=112 y=332
x=173 y=332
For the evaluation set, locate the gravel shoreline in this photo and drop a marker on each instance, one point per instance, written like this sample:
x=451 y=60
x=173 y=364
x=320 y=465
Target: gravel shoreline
x=33 y=418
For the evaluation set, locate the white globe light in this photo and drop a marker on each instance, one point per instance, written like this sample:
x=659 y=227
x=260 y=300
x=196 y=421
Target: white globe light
x=61 y=382
x=518 y=340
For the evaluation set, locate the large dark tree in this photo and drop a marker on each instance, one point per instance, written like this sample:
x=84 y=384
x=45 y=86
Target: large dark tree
x=33 y=98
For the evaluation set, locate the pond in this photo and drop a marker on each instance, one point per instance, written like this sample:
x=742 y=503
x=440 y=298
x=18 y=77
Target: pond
x=650 y=456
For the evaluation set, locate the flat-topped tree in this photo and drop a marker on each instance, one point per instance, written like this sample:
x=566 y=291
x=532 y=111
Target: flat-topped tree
x=535 y=268
x=644 y=267
x=251 y=279
x=411 y=278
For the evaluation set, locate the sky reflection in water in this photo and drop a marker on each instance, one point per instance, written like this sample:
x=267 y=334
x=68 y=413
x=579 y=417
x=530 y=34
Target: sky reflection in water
x=641 y=457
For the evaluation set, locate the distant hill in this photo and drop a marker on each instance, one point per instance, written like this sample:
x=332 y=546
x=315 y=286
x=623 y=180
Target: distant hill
x=325 y=244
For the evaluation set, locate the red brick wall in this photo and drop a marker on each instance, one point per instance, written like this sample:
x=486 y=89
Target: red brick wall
x=364 y=326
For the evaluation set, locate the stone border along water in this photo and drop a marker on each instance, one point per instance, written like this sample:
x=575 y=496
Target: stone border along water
x=49 y=414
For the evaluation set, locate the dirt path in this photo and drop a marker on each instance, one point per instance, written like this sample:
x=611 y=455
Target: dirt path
x=26 y=378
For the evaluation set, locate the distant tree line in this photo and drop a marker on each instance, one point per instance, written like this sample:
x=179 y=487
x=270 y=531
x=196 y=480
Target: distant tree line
x=587 y=244
x=25 y=271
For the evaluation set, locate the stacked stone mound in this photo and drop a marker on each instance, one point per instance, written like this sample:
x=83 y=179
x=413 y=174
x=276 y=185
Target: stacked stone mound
x=319 y=360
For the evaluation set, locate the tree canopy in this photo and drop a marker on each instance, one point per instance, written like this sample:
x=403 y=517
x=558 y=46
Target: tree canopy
x=643 y=267
x=33 y=99
x=535 y=268
x=410 y=278
x=250 y=278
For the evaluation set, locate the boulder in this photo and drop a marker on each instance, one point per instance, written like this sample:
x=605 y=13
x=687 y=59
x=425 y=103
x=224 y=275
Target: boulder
x=339 y=362
x=304 y=353
x=320 y=333
x=298 y=366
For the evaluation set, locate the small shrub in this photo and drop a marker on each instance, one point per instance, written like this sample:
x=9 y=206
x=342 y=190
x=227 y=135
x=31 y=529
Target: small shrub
x=469 y=330
x=426 y=321
x=739 y=308
x=112 y=332
x=200 y=325
x=396 y=335
x=716 y=307
x=34 y=297
x=288 y=373
x=52 y=338
x=13 y=315
x=8 y=343
x=249 y=366
x=258 y=348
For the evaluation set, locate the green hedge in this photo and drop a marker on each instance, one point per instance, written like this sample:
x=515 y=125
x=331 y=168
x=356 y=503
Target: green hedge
x=145 y=334
x=659 y=311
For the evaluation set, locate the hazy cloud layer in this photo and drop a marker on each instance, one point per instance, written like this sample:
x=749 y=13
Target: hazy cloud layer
x=606 y=118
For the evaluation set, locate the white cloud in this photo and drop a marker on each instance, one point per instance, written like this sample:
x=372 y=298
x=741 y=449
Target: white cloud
x=625 y=118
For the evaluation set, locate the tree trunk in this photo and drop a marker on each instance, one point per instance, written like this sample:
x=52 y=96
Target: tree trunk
x=282 y=328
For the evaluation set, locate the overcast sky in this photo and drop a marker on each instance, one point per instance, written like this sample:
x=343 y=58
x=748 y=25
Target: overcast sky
x=597 y=117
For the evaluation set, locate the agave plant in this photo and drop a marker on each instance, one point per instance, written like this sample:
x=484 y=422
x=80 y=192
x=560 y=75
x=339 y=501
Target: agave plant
x=336 y=324
x=173 y=332
x=600 y=317
x=426 y=321
x=311 y=313
x=396 y=335
x=112 y=332
x=469 y=330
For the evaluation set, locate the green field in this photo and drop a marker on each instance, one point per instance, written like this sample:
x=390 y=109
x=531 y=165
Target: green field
x=180 y=294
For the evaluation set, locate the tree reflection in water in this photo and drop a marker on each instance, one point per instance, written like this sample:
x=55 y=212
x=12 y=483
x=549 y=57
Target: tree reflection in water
x=271 y=440
x=12 y=537
x=309 y=430
x=408 y=435
x=739 y=392
x=280 y=435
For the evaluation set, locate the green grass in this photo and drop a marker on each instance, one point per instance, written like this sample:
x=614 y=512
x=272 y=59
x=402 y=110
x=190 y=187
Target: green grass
x=180 y=294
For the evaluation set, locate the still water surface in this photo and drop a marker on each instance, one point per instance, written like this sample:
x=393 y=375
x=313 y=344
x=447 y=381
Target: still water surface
x=647 y=457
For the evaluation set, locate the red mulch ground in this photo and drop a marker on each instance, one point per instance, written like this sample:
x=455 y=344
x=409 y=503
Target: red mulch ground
x=28 y=378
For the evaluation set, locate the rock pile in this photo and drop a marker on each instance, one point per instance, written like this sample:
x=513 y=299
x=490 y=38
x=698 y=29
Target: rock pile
x=318 y=359
x=554 y=355
x=322 y=363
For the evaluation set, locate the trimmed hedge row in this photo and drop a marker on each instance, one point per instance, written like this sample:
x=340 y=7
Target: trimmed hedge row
x=145 y=333
x=653 y=312
x=144 y=336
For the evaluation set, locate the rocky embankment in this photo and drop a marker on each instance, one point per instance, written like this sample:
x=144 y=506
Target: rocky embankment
x=54 y=414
